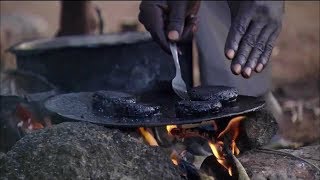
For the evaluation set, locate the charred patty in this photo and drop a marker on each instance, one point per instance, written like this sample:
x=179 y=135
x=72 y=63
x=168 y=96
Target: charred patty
x=208 y=93
x=197 y=108
x=121 y=104
x=107 y=101
x=137 y=110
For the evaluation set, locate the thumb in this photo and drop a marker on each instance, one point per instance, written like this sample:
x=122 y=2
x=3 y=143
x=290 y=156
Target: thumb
x=176 y=19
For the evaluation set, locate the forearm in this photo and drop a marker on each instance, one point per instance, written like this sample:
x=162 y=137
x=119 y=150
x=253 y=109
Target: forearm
x=74 y=14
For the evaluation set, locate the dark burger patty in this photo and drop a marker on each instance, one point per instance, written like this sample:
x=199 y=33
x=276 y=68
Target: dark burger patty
x=137 y=110
x=196 y=108
x=107 y=101
x=121 y=104
x=208 y=93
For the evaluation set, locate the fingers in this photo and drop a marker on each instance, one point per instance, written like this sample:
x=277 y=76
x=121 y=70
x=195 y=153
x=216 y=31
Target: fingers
x=190 y=28
x=257 y=50
x=151 y=16
x=176 y=19
x=265 y=56
x=247 y=43
x=237 y=30
x=191 y=21
x=169 y=20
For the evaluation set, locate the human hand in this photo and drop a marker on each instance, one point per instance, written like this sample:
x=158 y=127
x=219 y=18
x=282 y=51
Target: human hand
x=255 y=25
x=169 y=20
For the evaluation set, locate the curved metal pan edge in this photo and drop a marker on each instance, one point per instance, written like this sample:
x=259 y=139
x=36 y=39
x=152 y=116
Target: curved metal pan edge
x=77 y=106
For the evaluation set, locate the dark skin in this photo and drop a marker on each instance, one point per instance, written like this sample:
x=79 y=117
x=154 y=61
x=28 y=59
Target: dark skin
x=77 y=18
x=169 y=20
x=255 y=25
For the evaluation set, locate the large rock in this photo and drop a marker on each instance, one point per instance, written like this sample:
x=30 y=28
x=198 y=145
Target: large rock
x=257 y=130
x=85 y=151
x=263 y=164
x=274 y=165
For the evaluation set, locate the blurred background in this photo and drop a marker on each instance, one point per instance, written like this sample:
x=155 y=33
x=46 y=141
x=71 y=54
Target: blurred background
x=295 y=59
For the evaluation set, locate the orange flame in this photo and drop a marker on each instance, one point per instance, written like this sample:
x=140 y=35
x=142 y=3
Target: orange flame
x=217 y=152
x=174 y=157
x=233 y=128
x=234 y=148
x=148 y=136
x=174 y=161
x=170 y=127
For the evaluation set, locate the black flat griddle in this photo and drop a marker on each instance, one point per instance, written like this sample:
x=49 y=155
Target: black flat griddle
x=77 y=106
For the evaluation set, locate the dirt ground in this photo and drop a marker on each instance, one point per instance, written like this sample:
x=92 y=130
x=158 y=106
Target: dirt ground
x=295 y=62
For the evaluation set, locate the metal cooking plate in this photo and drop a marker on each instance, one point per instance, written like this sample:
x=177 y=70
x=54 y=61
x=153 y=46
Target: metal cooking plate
x=77 y=106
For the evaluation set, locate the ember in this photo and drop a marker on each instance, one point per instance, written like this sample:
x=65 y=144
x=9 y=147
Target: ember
x=182 y=133
x=170 y=128
x=28 y=121
x=175 y=157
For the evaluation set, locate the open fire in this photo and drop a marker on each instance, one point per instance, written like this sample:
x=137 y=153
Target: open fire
x=233 y=129
x=215 y=141
x=214 y=137
x=217 y=137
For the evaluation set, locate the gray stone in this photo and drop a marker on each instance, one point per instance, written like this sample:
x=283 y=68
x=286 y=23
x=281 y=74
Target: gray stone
x=257 y=130
x=310 y=153
x=273 y=165
x=75 y=150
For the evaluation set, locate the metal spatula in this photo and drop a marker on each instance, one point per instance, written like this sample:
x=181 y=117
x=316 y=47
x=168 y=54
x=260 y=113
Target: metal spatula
x=178 y=84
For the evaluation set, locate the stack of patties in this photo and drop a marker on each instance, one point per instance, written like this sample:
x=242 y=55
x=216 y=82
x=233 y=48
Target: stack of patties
x=206 y=100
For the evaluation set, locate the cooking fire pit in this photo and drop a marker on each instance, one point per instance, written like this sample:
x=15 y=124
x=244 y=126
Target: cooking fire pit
x=132 y=62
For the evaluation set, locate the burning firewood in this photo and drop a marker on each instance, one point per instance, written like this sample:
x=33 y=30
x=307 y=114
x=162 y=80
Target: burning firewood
x=232 y=130
x=216 y=142
x=221 y=138
x=148 y=137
